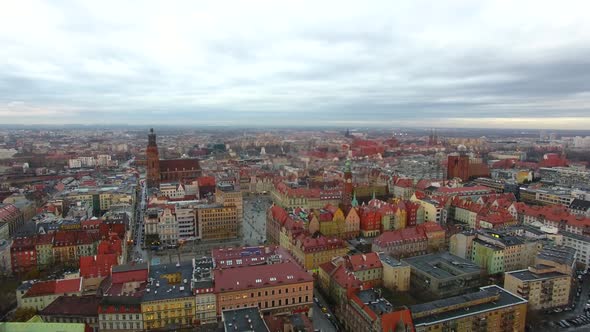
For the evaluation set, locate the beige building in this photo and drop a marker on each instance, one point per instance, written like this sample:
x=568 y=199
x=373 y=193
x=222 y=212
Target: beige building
x=544 y=287
x=491 y=309
x=461 y=244
x=396 y=274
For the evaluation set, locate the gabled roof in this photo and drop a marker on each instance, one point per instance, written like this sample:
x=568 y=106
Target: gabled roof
x=169 y=165
x=78 y=306
x=361 y=262
x=62 y=286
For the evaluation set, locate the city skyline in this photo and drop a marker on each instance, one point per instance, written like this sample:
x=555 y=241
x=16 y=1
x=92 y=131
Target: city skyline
x=414 y=64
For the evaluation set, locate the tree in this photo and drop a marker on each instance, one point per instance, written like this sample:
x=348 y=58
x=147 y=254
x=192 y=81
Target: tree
x=32 y=274
x=23 y=314
x=152 y=239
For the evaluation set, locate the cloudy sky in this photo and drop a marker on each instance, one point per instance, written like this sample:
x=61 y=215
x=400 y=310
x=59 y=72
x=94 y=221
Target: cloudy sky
x=522 y=64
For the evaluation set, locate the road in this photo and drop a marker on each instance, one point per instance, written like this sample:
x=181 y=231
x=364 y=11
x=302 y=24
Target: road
x=138 y=230
x=578 y=311
x=320 y=319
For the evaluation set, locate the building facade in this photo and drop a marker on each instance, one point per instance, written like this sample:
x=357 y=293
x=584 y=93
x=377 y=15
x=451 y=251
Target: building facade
x=492 y=308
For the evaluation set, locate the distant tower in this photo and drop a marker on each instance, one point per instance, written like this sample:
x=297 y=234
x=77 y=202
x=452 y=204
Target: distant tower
x=347 y=190
x=153 y=161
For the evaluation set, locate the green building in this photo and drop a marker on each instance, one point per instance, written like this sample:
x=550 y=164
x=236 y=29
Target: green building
x=488 y=256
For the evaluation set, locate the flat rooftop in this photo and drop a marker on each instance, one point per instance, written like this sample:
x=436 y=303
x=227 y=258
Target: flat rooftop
x=442 y=265
x=560 y=255
x=169 y=281
x=373 y=300
x=497 y=298
x=244 y=319
x=526 y=275
x=386 y=259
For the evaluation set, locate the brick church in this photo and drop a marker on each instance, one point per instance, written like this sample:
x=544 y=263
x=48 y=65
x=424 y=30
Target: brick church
x=167 y=170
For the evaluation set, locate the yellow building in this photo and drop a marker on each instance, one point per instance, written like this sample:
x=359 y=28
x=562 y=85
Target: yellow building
x=433 y=209
x=543 y=287
x=218 y=222
x=396 y=274
x=335 y=281
x=310 y=252
x=168 y=301
x=289 y=198
x=491 y=309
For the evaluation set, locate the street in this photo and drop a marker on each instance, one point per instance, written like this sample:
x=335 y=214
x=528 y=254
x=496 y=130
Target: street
x=320 y=319
x=138 y=230
x=548 y=320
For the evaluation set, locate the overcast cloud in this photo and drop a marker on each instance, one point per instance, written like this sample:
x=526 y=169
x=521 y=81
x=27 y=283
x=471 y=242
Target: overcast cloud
x=493 y=63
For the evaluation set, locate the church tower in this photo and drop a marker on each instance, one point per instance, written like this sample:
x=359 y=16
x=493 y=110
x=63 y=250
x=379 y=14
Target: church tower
x=153 y=161
x=347 y=188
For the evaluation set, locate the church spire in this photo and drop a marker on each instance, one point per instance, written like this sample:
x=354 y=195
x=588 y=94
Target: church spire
x=355 y=202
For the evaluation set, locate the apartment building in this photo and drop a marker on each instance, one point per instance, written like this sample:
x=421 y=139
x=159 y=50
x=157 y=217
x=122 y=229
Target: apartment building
x=491 y=308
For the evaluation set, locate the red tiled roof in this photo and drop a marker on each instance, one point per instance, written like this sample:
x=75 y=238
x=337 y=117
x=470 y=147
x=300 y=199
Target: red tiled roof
x=279 y=214
x=129 y=276
x=62 y=286
x=259 y=276
x=391 y=321
x=361 y=262
x=554 y=213
x=170 y=165
x=206 y=181
x=307 y=192
x=406 y=234
x=404 y=183
x=97 y=266
x=345 y=279
x=320 y=243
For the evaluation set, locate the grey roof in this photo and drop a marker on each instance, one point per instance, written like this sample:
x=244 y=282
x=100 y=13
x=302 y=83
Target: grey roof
x=580 y=237
x=580 y=204
x=386 y=259
x=486 y=244
x=244 y=319
x=121 y=300
x=373 y=300
x=130 y=267
x=560 y=255
x=498 y=298
x=442 y=265
x=526 y=275
x=158 y=287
